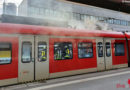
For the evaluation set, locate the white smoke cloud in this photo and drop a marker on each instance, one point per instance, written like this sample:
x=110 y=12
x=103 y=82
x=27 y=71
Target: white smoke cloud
x=89 y=24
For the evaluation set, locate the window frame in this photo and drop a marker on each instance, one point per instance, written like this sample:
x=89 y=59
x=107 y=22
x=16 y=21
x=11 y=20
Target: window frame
x=91 y=47
x=62 y=59
x=11 y=52
x=22 y=52
x=115 y=49
x=38 y=50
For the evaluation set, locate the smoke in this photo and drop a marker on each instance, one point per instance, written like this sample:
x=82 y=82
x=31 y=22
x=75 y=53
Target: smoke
x=72 y=22
x=88 y=23
x=76 y=24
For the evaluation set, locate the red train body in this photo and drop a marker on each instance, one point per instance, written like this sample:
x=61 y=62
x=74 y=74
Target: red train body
x=29 y=53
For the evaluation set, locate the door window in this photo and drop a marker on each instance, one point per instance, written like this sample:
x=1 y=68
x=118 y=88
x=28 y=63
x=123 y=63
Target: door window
x=26 y=52
x=108 y=49
x=5 y=53
x=100 y=49
x=42 y=51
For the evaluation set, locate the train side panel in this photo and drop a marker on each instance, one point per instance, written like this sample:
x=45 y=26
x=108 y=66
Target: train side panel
x=9 y=60
x=119 y=53
x=75 y=65
x=129 y=50
x=127 y=35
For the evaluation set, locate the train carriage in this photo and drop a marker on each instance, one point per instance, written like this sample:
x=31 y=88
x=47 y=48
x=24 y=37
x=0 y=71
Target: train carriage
x=127 y=35
x=29 y=53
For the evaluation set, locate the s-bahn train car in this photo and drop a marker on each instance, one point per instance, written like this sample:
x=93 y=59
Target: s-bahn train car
x=128 y=46
x=29 y=53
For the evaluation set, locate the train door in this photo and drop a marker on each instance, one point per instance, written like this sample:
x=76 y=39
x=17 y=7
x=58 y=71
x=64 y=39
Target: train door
x=108 y=53
x=26 y=58
x=41 y=57
x=33 y=59
x=100 y=54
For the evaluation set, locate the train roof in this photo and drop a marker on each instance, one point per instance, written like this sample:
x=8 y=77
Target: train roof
x=127 y=34
x=6 y=28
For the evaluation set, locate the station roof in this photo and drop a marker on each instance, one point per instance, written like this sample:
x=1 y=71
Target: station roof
x=117 y=5
x=6 y=28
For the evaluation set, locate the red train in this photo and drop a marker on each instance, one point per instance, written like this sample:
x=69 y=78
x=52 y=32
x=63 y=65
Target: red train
x=29 y=53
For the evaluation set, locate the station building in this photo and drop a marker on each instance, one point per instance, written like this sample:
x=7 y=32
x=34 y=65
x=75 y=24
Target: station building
x=115 y=13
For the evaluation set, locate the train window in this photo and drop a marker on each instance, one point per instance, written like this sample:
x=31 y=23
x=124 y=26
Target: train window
x=42 y=51
x=5 y=53
x=63 y=50
x=26 y=52
x=100 y=49
x=108 y=49
x=85 y=50
x=119 y=49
